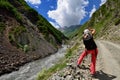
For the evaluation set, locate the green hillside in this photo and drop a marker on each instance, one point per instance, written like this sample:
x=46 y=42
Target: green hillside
x=69 y=31
x=105 y=19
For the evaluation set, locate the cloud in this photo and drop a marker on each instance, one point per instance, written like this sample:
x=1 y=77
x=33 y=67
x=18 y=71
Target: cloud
x=35 y=2
x=69 y=12
x=102 y=2
x=92 y=11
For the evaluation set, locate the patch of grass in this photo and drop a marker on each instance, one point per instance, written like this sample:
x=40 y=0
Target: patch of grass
x=69 y=53
x=4 y=4
x=45 y=74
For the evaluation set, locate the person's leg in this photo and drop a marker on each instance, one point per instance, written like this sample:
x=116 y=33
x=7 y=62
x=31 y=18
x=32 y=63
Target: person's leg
x=93 y=61
x=96 y=52
x=84 y=53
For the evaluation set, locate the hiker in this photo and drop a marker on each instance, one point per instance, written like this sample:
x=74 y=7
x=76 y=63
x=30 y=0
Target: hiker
x=90 y=48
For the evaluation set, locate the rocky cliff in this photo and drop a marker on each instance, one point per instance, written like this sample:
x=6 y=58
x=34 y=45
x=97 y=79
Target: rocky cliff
x=24 y=35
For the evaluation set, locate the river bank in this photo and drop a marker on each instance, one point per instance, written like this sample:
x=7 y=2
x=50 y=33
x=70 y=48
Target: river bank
x=29 y=71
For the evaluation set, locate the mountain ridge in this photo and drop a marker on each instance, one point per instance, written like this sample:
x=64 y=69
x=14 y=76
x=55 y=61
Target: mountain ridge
x=69 y=31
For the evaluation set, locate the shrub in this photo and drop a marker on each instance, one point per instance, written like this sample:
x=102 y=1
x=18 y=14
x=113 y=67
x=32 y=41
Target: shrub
x=117 y=22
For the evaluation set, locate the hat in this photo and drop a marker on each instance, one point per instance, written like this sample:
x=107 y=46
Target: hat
x=86 y=31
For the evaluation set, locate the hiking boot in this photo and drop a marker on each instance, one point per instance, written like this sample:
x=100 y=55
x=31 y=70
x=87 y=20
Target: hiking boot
x=78 y=66
x=93 y=75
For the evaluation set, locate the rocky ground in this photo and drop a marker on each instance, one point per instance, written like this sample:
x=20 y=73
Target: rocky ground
x=12 y=58
x=108 y=63
x=72 y=71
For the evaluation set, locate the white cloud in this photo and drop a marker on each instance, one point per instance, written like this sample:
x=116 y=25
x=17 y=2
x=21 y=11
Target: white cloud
x=92 y=11
x=69 y=12
x=102 y=2
x=35 y=2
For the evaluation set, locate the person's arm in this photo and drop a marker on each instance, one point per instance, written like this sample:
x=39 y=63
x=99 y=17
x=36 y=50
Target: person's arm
x=92 y=31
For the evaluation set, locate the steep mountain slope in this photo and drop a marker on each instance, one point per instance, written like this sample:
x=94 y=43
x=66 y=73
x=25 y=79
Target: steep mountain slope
x=24 y=35
x=106 y=21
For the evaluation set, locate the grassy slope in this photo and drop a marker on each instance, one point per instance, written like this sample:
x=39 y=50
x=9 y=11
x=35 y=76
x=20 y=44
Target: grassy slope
x=69 y=31
x=104 y=17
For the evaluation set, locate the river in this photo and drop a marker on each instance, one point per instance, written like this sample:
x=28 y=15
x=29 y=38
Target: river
x=30 y=70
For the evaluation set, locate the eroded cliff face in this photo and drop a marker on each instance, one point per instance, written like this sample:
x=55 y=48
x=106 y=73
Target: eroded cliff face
x=22 y=40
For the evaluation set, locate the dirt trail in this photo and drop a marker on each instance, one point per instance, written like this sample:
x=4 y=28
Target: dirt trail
x=108 y=61
x=107 y=67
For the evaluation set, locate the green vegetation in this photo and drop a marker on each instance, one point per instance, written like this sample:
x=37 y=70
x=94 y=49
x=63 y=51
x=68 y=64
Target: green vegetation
x=18 y=30
x=14 y=33
x=117 y=21
x=45 y=74
x=26 y=7
x=43 y=25
x=102 y=18
x=70 y=31
x=5 y=5
x=69 y=54
x=46 y=28
x=25 y=48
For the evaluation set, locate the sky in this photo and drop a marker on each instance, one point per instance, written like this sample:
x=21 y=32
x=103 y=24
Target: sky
x=61 y=13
